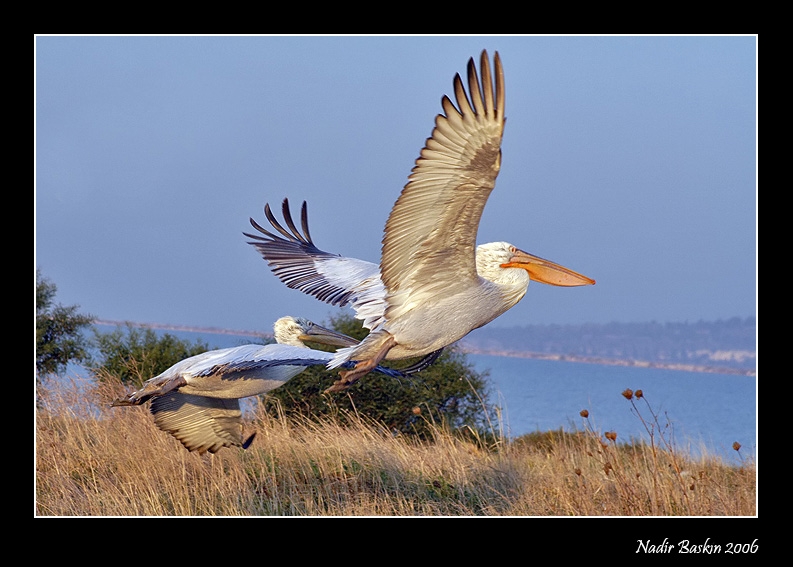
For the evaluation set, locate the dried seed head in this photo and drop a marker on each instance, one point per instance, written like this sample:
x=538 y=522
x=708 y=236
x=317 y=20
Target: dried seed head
x=584 y=413
x=416 y=410
x=611 y=435
x=628 y=393
x=607 y=467
x=638 y=393
x=736 y=446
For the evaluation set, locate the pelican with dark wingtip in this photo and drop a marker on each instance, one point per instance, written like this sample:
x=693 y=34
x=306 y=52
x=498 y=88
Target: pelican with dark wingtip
x=197 y=400
x=433 y=285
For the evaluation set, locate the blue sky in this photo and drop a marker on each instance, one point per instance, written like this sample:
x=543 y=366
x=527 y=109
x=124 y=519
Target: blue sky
x=632 y=160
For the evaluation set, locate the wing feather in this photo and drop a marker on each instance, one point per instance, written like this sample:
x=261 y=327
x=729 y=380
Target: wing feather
x=201 y=424
x=331 y=278
x=429 y=245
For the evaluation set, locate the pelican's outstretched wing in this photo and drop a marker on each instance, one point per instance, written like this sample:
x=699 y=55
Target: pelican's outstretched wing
x=334 y=279
x=201 y=424
x=226 y=370
x=429 y=247
x=257 y=357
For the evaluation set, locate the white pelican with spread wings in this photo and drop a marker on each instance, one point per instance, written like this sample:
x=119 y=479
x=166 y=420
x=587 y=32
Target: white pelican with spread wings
x=433 y=285
x=197 y=400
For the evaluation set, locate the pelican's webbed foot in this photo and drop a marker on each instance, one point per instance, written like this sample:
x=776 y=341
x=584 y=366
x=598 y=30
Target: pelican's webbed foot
x=349 y=377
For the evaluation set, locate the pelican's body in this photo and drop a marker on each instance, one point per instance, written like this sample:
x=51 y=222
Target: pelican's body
x=433 y=284
x=197 y=399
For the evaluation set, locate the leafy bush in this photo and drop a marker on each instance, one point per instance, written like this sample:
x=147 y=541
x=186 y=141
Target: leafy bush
x=134 y=355
x=59 y=338
x=449 y=394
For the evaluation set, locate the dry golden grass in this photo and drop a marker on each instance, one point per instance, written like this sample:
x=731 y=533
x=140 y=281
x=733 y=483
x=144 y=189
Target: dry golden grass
x=92 y=460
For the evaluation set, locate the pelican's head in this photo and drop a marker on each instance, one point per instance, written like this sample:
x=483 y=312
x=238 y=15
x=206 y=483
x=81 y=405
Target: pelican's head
x=297 y=330
x=496 y=256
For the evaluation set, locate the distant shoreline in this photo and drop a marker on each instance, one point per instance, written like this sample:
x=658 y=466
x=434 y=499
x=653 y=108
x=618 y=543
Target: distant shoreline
x=186 y=328
x=611 y=361
x=469 y=350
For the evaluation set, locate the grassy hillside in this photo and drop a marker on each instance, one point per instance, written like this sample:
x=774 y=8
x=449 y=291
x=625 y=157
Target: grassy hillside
x=93 y=460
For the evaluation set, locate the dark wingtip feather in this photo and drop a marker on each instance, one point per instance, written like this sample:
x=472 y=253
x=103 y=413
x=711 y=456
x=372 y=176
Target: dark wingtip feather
x=248 y=441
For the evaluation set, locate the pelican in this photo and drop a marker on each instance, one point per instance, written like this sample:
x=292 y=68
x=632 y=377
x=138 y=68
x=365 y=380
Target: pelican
x=197 y=399
x=433 y=285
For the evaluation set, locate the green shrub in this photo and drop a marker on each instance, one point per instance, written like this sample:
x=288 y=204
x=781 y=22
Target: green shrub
x=59 y=337
x=449 y=393
x=133 y=355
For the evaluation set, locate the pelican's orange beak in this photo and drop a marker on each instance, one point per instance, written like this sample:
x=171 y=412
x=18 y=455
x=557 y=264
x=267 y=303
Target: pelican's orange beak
x=545 y=271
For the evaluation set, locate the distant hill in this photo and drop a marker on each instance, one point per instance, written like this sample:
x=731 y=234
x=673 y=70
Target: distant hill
x=724 y=345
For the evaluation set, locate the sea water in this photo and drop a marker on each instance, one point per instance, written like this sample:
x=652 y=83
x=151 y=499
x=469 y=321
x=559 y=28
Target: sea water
x=691 y=411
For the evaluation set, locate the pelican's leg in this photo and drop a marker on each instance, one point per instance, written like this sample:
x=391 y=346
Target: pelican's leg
x=362 y=368
x=150 y=388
